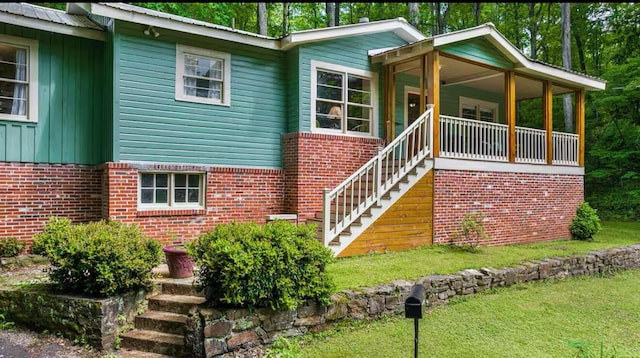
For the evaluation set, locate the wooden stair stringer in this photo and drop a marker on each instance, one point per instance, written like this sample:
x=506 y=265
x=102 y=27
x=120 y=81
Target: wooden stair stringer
x=346 y=239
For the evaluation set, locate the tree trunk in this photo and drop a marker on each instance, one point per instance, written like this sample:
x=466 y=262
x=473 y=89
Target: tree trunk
x=337 y=14
x=414 y=13
x=477 y=8
x=285 y=18
x=580 y=48
x=566 y=62
x=533 y=29
x=331 y=14
x=262 y=18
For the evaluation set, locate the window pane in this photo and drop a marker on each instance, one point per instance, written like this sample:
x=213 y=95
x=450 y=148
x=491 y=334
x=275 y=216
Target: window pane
x=162 y=180
x=13 y=67
x=359 y=112
x=468 y=111
x=180 y=195
x=194 y=181
x=486 y=114
x=328 y=115
x=194 y=195
x=161 y=196
x=329 y=85
x=180 y=180
x=147 y=180
x=356 y=125
x=146 y=196
x=359 y=90
x=329 y=79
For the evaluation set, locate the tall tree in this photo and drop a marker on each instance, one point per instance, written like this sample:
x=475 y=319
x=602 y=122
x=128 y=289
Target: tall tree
x=534 y=19
x=414 y=14
x=331 y=14
x=285 y=18
x=566 y=62
x=262 y=18
x=477 y=10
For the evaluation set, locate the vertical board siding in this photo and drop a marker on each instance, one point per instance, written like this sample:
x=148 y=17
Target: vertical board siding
x=153 y=126
x=479 y=50
x=348 y=51
x=67 y=99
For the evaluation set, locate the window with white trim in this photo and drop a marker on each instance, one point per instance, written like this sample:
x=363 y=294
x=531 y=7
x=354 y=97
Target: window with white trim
x=18 y=79
x=343 y=99
x=171 y=190
x=472 y=108
x=203 y=75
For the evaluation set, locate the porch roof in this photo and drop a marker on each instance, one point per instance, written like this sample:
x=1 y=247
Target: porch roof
x=522 y=63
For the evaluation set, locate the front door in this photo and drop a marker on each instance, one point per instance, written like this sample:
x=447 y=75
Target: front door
x=412 y=112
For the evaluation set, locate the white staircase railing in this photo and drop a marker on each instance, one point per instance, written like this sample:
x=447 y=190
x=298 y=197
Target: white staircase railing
x=364 y=188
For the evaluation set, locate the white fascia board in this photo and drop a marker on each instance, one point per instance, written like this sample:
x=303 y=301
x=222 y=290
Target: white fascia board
x=403 y=52
x=501 y=167
x=52 y=26
x=399 y=26
x=377 y=51
x=564 y=77
x=144 y=19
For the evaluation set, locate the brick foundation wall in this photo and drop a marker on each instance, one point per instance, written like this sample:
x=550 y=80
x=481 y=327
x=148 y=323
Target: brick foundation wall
x=31 y=193
x=315 y=161
x=518 y=207
x=232 y=194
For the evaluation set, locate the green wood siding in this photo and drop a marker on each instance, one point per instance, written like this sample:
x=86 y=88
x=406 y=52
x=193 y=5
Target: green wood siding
x=71 y=125
x=479 y=50
x=450 y=99
x=150 y=125
x=348 y=51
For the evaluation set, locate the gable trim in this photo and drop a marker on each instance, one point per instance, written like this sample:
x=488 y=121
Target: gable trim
x=51 y=26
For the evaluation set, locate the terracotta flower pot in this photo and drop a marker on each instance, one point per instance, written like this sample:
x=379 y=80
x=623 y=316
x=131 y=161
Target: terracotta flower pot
x=180 y=264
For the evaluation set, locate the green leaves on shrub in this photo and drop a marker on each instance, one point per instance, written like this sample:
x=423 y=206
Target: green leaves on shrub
x=10 y=247
x=586 y=223
x=97 y=259
x=277 y=265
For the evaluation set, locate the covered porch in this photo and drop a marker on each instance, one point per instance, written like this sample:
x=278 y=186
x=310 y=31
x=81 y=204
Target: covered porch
x=490 y=102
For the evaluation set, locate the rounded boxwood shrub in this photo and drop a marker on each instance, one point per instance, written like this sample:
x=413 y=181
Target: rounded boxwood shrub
x=97 y=259
x=277 y=265
x=586 y=223
x=10 y=247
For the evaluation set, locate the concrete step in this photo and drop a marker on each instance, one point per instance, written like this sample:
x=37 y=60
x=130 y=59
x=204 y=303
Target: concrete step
x=154 y=342
x=131 y=353
x=174 y=303
x=181 y=288
x=164 y=322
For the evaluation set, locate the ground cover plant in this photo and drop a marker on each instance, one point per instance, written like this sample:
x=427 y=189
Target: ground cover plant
x=10 y=247
x=542 y=319
x=370 y=270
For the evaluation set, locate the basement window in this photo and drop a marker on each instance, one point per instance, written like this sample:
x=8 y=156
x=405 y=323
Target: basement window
x=171 y=190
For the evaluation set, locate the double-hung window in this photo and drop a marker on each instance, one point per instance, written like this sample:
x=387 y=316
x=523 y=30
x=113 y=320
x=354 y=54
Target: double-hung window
x=171 y=190
x=202 y=75
x=479 y=110
x=343 y=99
x=18 y=79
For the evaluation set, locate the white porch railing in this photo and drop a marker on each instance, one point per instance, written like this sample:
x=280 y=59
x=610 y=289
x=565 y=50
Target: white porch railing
x=470 y=139
x=364 y=188
x=565 y=148
x=531 y=145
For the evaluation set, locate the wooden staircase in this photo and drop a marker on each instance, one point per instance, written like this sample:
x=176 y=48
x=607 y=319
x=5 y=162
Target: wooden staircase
x=160 y=331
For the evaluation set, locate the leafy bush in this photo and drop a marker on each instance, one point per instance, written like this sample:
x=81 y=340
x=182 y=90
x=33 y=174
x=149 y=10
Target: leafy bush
x=586 y=223
x=471 y=233
x=277 y=265
x=10 y=247
x=97 y=259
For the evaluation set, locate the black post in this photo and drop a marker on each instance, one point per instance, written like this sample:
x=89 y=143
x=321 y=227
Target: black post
x=415 y=348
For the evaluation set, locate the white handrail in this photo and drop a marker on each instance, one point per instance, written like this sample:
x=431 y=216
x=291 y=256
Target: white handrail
x=531 y=145
x=364 y=188
x=470 y=139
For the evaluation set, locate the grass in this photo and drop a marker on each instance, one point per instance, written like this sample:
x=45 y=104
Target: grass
x=541 y=319
x=371 y=270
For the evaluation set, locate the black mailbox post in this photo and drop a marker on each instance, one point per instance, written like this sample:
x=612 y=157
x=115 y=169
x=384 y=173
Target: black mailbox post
x=413 y=309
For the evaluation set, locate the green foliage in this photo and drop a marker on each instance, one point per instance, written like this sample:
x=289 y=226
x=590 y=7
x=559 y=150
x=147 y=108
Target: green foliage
x=471 y=232
x=277 y=265
x=10 y=247
x=97 y=259
x=586 y=223
x=584 y=351
x=4 y=324
x=284 y=348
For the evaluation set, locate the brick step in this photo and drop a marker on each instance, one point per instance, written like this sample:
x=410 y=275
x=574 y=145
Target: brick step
x=186 y=288
x=131 y=353
x=154 y=342
x=164 y=322
x=174 y=303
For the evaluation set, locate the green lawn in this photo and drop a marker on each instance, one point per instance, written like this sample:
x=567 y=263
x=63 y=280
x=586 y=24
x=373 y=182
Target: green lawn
x=370 y=270
x=527 y=320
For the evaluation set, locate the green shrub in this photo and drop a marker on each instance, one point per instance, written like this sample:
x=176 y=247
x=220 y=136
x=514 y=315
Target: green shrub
x=586 y=223
x=97 y=259
x=277 y=265
x=10 y=247
x=471 y=232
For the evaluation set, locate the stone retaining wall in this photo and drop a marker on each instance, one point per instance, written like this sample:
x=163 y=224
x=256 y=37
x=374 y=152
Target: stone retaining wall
x=216 y=332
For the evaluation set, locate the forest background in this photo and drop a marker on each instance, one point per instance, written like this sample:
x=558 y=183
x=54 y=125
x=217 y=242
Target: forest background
x=599 y=39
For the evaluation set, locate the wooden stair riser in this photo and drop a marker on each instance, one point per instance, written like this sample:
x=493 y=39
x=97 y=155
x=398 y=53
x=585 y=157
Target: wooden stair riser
x=183 y=289
x=166 y=304
x=162 y=322
x=154 y=342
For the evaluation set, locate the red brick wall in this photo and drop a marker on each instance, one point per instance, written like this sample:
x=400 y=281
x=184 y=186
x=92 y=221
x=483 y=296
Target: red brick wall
x=240 y=194
x=314 y=161
x=31 y=193
x=518 y=207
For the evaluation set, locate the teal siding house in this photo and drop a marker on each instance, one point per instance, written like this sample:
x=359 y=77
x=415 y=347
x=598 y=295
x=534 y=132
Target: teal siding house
x=383 y=137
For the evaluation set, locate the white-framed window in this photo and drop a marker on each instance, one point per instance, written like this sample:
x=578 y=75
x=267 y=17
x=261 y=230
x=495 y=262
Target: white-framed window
x=343 y=99
x=203 y=75
x=479 y=110
x=18 y=79
x=171 y=190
